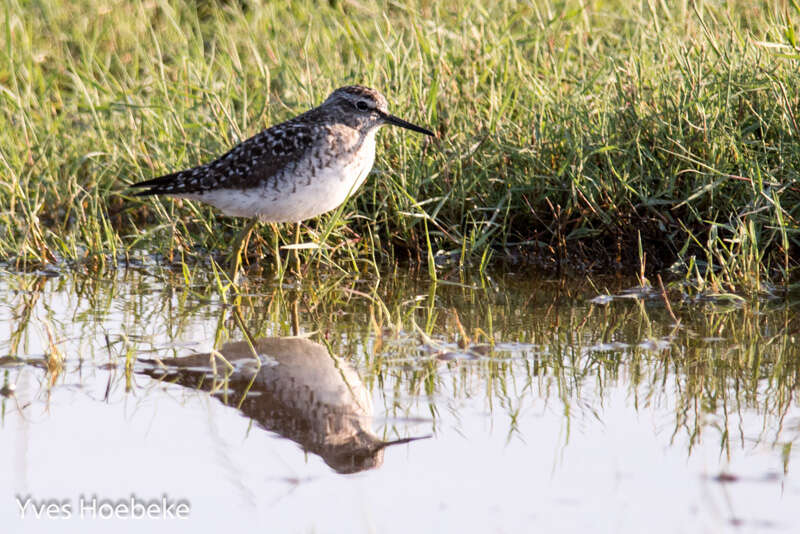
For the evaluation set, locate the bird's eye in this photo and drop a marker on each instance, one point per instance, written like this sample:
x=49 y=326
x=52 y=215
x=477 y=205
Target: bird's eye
x=361 y=105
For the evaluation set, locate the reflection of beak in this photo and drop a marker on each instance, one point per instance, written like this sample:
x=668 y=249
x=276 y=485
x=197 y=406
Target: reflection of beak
x=397 y=121
x=385 y=444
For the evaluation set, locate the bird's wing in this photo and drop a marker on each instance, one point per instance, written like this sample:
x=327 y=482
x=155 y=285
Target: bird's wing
x=250 y=163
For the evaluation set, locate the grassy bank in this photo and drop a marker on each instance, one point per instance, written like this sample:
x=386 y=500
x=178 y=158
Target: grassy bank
x=601 y=135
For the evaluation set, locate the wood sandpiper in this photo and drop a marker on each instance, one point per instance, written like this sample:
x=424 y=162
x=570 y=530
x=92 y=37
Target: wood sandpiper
x=295 y=170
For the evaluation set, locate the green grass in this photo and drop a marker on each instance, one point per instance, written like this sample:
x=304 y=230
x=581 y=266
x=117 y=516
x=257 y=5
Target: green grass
x=570 y=134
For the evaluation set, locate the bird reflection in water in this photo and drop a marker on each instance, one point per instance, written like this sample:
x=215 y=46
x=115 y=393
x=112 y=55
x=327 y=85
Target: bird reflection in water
x=300 y=391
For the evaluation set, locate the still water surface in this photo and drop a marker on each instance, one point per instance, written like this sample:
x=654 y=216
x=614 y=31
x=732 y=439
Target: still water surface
x=540 y=406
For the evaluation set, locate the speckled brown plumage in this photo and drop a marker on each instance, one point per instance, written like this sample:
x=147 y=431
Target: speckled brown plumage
x=293 y=170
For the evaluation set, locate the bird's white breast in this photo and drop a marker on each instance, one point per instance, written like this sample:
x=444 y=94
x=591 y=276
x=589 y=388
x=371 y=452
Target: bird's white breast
x=301 y=194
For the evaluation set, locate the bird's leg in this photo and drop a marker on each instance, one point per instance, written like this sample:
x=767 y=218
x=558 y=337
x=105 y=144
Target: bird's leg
x=276 y=247
x=296 y=250
x=296 y=317
x=249 y=339
x=239 y=247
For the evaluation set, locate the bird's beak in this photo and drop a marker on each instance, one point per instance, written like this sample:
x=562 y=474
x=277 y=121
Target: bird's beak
x=397 y=121
x=384 y=444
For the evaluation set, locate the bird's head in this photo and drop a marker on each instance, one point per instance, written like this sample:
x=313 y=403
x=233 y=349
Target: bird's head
x=368 y=107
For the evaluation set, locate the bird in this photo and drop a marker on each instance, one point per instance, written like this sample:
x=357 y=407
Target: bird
x=296 y=389
x=295 y=170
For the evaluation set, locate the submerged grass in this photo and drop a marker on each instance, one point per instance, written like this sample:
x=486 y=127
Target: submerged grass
x=599 y=135
x=520 y=345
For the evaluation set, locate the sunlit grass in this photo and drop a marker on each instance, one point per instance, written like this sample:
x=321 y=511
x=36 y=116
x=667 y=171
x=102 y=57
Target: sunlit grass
x=568 y=132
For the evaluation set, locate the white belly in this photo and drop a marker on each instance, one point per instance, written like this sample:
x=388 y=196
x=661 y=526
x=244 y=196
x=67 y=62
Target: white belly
x=305 y=195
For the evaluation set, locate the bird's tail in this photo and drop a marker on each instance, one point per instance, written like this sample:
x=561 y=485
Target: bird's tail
x=169 y=184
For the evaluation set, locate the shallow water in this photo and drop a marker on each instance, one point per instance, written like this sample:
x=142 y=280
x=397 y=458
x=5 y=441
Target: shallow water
x=543 y=406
